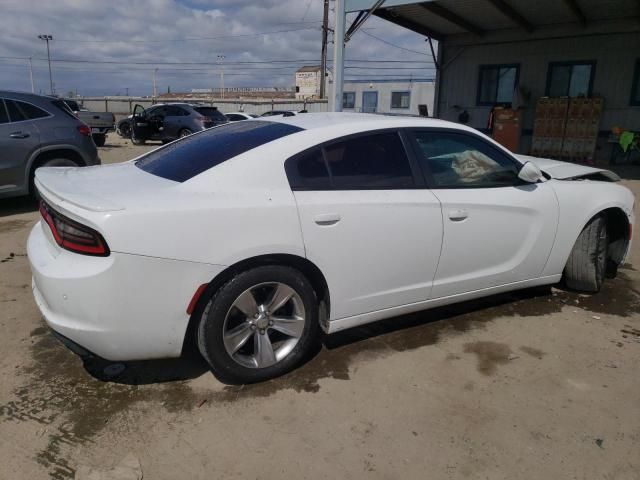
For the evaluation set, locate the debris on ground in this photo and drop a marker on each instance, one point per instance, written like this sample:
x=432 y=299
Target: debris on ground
x=599 y=442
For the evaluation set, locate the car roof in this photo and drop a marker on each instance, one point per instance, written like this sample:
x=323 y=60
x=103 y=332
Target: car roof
x=314 y=121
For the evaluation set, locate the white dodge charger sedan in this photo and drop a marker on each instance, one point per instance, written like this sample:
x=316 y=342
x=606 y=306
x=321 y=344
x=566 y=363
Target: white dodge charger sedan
x=252 y=238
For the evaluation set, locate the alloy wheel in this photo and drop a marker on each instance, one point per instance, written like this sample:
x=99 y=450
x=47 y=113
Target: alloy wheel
x=264 y=324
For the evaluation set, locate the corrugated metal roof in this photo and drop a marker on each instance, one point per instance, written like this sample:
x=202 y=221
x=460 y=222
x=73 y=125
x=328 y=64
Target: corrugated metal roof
x=488 y=17
x=309 y=68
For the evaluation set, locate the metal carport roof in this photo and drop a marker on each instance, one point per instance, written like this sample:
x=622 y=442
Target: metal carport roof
x=439 y=19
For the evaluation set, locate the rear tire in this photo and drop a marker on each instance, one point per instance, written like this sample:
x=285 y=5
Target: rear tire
x=99 y=140
x=185 y=132
x=232 y=340
x=587 y=264
x=125 y=130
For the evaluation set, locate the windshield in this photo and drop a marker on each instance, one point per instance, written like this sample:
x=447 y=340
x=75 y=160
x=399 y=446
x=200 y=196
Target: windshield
x=184 y=159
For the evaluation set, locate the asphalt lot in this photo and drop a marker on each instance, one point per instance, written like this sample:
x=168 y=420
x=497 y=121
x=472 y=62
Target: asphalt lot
x=538 y=384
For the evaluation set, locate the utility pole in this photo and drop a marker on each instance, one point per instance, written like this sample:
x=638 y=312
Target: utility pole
x=323 y=67
x=338 y=54
x=155 y=92
x=221 y=59
x=33 y=90
x=47 y=38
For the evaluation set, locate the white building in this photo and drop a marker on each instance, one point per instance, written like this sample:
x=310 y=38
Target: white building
x=308 y=82
x=396 y=96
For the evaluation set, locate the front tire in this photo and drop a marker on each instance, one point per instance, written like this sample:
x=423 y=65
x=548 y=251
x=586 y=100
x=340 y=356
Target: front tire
x=261 y=324
x=587 y=264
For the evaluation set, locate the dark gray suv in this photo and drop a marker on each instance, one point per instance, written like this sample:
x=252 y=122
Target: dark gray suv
x=38 y=131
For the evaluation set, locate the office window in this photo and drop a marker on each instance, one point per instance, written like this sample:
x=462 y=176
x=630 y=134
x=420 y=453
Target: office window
x=349 y=100
x=635 y=85
x=400 y=99
x=497 y=84
x=570 y=79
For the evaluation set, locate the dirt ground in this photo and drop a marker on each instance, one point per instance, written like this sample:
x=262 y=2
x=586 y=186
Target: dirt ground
x=538 y=384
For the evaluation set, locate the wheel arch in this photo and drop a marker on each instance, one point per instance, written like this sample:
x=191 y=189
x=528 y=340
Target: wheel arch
x=619 y=230
x=305 y=266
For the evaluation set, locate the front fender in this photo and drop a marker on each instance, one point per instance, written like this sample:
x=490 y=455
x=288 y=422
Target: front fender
x=579 y=202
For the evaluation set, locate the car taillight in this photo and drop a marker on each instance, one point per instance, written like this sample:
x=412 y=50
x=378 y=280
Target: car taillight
x=72 y=235
x=84 y=130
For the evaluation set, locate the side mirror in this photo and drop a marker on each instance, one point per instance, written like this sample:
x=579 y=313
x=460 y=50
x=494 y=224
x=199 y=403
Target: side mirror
x=530 y=173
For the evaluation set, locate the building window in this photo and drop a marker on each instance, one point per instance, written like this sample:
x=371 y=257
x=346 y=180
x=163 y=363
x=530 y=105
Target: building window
x=570 y=79
x=349 y=100
x=635 y=86
x=400 y=99
x=497 y=84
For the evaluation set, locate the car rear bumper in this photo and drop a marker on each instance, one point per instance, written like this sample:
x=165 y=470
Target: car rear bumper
x=121 y=307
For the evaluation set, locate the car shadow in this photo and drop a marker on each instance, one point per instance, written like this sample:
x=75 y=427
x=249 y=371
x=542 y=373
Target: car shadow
x=191 y=365
x=146 y=372
x=17 y=205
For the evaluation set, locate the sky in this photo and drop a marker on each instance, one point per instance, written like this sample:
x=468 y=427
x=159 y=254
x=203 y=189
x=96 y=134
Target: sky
x=113 y=47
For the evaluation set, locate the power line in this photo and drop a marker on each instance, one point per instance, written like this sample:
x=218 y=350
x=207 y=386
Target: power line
x=393 y=44
x=186 y=39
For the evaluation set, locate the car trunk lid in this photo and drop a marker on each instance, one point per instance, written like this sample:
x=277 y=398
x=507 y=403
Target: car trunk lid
x=99 y=189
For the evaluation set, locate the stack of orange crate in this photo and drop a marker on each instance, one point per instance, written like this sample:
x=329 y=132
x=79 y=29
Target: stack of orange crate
x=581 y=133
x=548 y=128
x=567 y=128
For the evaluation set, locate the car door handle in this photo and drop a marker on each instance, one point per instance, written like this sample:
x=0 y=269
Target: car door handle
x=327 y=219
x=19 y=135
x=458 y=215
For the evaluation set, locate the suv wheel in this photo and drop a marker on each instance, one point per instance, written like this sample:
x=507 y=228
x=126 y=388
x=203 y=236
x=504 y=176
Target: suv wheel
x=52 y=162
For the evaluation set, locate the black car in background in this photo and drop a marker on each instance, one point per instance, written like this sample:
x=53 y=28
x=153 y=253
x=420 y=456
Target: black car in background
x=166 y=122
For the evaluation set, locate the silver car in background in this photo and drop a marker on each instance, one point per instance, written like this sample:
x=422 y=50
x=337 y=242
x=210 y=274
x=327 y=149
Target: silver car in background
x=39 y=131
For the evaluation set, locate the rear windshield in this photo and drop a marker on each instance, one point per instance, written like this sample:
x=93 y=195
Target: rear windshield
x=212 y=113
x=73 y=105
x=62 y=106
x=182 y=160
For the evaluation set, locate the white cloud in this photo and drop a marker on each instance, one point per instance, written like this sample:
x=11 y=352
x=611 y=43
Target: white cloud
x=160 y=31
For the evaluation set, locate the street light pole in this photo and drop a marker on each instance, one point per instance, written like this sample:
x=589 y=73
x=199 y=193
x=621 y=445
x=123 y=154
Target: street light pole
x=155 y=92
x=33 y=90
x=221 y=59
x=47 y=38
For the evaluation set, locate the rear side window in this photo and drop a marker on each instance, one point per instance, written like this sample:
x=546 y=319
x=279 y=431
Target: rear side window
x=212 y=113
x=4 y=118
x=182 y=160
x=19 y=111
x=308 y=171
x=31 y=111
x=367 y=162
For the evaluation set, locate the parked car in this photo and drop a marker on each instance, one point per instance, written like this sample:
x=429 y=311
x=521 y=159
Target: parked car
x=256 y=235
x=285 y=113
x=100 y=123
x=171 y=121
x=239 y=116
x=38 y=131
